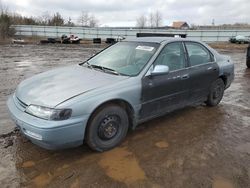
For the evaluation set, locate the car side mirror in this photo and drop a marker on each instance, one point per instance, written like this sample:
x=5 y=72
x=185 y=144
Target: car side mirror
x=160 y=69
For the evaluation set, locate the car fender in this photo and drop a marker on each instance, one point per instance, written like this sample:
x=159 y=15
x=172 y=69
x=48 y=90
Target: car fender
x=226 y=69
x=128 y=90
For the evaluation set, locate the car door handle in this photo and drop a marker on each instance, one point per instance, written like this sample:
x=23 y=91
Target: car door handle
x=185 y=76
x=211 y=68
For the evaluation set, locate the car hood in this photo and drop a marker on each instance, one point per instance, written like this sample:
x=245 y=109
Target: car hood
x=56 y=86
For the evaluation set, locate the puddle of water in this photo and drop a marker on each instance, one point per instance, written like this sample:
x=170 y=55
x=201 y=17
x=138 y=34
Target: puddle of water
x=42 y=180
x=75 y=184
x=121 y=165
x=65 y=166
x=222 y=183
x=23 y=63
x=245 y=121
x=162 y=144
x=245 y=148
x=28 y=164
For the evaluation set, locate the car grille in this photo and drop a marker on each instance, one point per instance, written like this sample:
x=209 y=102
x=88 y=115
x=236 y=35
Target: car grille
x=20 y=104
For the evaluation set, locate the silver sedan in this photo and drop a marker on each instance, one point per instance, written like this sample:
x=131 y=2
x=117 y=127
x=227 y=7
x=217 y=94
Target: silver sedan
x=127 y=83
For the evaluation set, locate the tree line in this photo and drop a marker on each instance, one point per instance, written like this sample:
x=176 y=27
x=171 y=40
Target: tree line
x=85 y=19
x=153 y=20
x=7 y=19
x=5 y=23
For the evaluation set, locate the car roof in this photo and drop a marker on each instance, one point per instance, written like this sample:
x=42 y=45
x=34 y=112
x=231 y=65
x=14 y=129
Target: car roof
x=155 y=39
x=162 y=40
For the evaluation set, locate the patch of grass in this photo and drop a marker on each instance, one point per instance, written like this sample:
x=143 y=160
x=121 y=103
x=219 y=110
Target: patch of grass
x=228 y=46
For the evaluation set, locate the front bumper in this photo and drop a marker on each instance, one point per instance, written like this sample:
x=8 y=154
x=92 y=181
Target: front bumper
x=49 y=134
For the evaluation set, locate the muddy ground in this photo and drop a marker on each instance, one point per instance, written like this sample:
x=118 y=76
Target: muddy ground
x=190 y=148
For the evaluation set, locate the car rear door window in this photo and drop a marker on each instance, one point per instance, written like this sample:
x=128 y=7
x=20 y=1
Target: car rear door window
x=197 y=54
x=172 y=55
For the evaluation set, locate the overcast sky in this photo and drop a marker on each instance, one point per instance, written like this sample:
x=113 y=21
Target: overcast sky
x=125 y=12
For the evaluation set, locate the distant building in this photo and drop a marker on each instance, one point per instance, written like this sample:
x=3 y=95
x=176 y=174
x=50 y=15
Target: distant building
x=180 y=25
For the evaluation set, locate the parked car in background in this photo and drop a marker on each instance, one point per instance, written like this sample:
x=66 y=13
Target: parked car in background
x=126 y=84
x=232 y=39
x=239 y=39
x=72 y=39
x=18 y=41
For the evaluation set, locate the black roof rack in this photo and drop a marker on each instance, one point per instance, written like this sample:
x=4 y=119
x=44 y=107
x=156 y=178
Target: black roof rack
x=160 y=35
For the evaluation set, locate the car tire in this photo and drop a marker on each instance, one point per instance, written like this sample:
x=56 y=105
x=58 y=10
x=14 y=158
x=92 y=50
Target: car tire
x=107 y=128
x=216 y=93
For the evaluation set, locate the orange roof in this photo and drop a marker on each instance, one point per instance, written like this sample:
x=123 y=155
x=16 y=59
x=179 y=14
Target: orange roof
x=178 y=24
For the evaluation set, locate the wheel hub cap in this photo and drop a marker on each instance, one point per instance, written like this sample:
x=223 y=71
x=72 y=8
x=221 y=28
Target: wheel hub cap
x=108 y=127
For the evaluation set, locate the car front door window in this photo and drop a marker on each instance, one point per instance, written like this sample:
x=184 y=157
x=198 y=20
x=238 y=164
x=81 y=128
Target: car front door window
x=172 y=56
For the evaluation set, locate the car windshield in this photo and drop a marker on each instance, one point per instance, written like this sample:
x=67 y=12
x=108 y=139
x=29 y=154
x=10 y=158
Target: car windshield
x=124 y=58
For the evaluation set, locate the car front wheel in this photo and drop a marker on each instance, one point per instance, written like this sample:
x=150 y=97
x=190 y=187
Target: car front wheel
x=216 y=93
x=107 y=128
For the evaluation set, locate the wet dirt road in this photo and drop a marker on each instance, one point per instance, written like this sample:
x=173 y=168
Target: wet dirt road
x=193 y=147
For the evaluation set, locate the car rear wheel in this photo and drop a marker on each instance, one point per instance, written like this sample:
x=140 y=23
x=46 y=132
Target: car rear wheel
x=107 y=128
x=216 y=93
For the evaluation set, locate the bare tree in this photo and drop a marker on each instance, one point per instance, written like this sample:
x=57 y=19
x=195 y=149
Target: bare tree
x=84 y=19
x=93 y=22
x=151 y=20
x=141 y=21
x=45 y=18
x=154 y=19
x=56 y=20
x=157 y=19
x=3 y=8
x=5 y=23
x=69 y=22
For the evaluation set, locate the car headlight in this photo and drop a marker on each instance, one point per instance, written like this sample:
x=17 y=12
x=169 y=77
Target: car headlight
x=48 y=113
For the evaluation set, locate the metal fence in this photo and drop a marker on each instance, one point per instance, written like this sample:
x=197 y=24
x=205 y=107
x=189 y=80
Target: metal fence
x=90 y=33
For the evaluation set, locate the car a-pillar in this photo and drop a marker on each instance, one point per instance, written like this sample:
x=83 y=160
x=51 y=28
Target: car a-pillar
x=248 y=56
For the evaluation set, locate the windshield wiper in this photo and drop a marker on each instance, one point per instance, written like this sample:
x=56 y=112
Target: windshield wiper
x=111 y=71
x=105 y=69
x=88 y=64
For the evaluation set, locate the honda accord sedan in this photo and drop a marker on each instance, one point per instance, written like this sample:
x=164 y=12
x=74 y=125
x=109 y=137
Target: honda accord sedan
x=128 y=83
